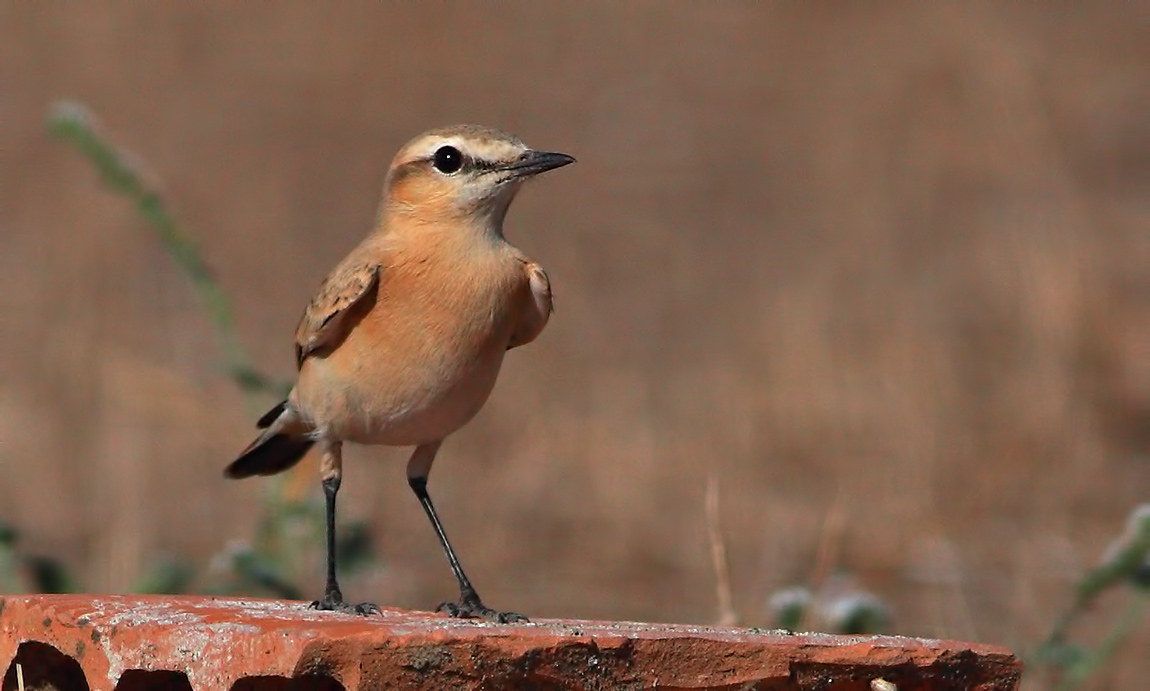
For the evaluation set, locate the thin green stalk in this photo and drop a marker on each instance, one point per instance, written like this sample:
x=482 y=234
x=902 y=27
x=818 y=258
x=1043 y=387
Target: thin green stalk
x=1096 y=659
x=1124 y=563
x=119 y=170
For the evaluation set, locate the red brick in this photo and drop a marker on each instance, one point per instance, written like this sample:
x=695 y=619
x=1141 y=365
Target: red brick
x=132 y=643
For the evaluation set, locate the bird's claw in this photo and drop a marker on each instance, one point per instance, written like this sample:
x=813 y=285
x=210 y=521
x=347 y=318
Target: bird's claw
x=474 y=609
x=336 y=604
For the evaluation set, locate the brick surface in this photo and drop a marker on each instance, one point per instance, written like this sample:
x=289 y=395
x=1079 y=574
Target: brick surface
x=130 y=643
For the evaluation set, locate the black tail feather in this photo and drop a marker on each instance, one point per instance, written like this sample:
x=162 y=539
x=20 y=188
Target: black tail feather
x=269 y=417
x=273 y=455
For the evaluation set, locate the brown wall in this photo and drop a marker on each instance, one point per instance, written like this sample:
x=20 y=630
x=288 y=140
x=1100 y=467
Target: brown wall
x=882 y=271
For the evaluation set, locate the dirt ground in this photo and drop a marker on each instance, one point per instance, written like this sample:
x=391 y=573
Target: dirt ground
x=881 y=272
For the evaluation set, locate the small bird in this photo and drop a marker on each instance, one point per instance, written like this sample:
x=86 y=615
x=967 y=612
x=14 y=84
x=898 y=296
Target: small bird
x=403 y=341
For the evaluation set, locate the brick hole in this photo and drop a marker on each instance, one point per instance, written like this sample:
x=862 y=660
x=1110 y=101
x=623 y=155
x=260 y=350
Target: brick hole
x=45 y=669
x=274 y=683
x=147 y=680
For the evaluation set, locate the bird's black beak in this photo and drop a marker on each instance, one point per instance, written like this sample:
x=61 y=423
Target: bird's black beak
x=535 y=162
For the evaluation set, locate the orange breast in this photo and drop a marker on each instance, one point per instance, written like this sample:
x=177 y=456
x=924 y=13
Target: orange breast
x=423 y=361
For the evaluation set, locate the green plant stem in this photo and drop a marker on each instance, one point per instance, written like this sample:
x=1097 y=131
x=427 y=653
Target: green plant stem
x=1079 y=672
x=118 y=169
x=270 y=565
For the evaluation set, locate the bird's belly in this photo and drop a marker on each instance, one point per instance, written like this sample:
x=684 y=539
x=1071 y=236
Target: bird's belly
x=437 y=405
x=399 y=399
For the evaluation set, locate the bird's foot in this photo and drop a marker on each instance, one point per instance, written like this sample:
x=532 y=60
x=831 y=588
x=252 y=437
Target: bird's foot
x=333 y=602
x=473 y=608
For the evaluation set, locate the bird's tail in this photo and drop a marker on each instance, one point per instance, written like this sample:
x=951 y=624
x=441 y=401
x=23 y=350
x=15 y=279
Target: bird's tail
x=274 y=451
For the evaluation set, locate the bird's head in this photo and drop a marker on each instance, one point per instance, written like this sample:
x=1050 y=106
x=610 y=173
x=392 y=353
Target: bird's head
x=462 y=172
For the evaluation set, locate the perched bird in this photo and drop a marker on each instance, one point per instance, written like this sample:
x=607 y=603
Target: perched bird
x=404 y=340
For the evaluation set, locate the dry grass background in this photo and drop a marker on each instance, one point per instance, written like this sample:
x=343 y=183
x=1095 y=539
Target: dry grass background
x=882 y=271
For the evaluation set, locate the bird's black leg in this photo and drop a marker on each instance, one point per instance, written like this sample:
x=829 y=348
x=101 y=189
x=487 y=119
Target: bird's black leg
x=469 y=605
x=332 y=599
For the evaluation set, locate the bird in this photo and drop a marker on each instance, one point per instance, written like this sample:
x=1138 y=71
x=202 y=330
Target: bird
x=403 y=341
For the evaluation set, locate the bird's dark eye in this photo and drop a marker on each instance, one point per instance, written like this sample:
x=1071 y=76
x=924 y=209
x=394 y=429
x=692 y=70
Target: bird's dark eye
x=448 y=160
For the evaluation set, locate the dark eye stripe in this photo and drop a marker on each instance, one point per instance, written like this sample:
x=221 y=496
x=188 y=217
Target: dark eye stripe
x=484 y=165
x=409 y=168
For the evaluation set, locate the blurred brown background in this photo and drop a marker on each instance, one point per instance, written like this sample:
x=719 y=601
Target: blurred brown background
x=881 y=271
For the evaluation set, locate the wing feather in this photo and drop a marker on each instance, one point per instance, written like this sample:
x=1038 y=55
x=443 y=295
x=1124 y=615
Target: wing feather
x=325 y=322
x=538 y=307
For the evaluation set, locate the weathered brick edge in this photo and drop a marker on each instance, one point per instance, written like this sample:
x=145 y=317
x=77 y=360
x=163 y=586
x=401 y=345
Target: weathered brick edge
x=105 y=642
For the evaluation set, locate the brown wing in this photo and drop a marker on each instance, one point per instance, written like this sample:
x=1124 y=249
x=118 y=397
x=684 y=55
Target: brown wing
x=538 y=307
x=326 y=320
